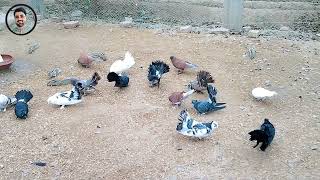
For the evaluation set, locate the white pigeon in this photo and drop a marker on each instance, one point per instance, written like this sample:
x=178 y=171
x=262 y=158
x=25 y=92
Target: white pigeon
x=261 y=94
x=192 y=128
x=121 y=66
x=6 y=101
x=66 y=98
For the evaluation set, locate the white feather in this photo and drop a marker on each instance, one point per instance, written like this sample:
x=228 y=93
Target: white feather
x=198 y=133
x=195 y=132
x=261 y=93
x=3 y=102
x=187 y=94
x=63 y=98
x=120 y=66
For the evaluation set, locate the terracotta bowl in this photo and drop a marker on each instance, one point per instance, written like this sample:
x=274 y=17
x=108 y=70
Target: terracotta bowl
x=7 y=61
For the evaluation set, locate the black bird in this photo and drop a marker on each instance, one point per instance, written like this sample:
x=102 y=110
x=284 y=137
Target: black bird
x=156 y=70
x=265 y=135
x=21 y=108
x=121 y=81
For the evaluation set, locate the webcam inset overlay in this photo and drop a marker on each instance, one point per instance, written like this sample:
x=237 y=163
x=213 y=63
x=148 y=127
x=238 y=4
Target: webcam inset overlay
x=21 y=19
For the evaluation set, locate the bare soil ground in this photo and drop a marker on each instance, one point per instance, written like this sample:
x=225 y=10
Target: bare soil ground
x=137 y=138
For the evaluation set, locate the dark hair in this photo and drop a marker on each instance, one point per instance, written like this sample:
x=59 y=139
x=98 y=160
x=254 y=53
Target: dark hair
x=20 y=9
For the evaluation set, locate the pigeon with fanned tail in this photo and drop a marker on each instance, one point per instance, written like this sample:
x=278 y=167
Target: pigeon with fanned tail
x=156 y=70
x=176 y=98
x=6 y=101
x=21 y=108
x=181 y=65
x=121 y=66
x=265 y=134
x=262 y=94
x=203 y=78
x=121 y=81
x=88 y=86
x=210 y=105
x=67 y=98
x=192 y=128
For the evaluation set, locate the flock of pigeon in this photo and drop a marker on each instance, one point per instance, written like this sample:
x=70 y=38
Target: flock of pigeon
x=118 y=73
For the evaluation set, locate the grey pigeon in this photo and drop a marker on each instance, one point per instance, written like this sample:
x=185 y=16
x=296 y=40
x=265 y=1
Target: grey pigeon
x=209 y=105
x=6 y=101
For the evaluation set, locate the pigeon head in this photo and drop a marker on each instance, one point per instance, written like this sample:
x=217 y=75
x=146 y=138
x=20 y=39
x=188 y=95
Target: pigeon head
x=194 y=101
x=266 y=121
x=171 y=57
x=258 y=135
x=112 y=76
x=179 y=126
x=79 y=85
x=155 y=81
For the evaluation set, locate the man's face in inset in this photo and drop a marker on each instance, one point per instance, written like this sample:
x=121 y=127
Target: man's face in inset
x=20 y=18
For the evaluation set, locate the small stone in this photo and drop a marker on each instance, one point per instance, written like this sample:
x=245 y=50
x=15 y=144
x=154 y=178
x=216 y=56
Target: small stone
x=98 y=126
x=56 y=19
x=127 y=23
x=220 y=30
x=251 y=53
x=186 y=29
x=254 y=33
x=76 y=14
x=242 y=108
x=39 y=164
x=54 y=72
x=300 y=97
x=180 y=168
x=246 y=29
x=179 y=149
x=1 y=166
x=284 y=28
x=267 y=83
x=314 y=147
x=71 y=24
x=172 y=178
x=318 y=37
x=33 y=47
x=44 y=138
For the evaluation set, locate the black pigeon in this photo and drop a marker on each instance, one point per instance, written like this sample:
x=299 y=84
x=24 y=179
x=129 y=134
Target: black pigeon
x=265 y=135
x=121 y=81
x=156 y=70
x=21 y=109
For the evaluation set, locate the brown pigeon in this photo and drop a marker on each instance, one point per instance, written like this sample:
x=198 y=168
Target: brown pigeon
x=176 y=98
x=203 y=78
x=181 y=65
x=85 y=60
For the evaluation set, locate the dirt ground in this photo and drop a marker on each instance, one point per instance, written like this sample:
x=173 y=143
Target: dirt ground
x=137 y=137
